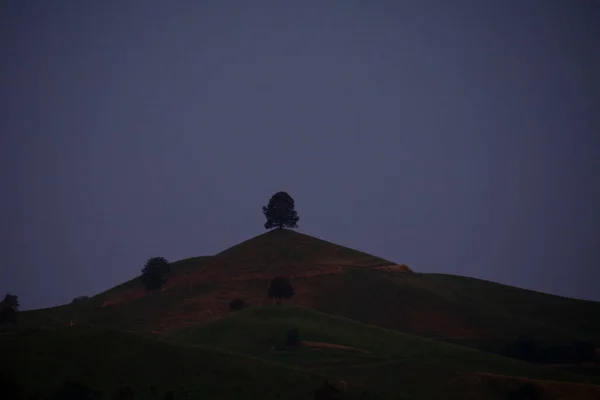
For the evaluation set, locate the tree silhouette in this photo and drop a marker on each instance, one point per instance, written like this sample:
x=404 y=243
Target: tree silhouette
x=292 y=338
x=280 y=212
x=280 y=288
x=9 y=309
x=237 y=305
x=155 y=273
x=11 y=300
x=8 y=315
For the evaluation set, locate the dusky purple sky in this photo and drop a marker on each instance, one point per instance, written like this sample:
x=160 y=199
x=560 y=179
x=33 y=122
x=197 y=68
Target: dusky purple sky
x=458 y=137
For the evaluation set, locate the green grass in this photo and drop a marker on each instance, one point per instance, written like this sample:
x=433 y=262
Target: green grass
x=107 y=360
x=503 y=311
x=395 y=363
x=252 y=331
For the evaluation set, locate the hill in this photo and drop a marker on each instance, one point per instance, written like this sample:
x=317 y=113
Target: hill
x=339 y=281
x=358 y=317
x=381 y=359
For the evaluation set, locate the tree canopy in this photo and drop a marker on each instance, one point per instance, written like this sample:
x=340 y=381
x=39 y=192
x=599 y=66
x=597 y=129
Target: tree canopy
x=280 y=288
x=11 y=300
x=280 y=212
x=9 y=309
x=155 y=273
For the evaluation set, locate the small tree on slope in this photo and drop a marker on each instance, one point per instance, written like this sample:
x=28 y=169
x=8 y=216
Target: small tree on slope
x=280 y=212
x=9 y=309
x=155 y=273
x=279 y=289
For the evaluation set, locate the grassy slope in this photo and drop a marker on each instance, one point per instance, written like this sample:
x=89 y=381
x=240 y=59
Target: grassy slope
x=108 y=360
x=465 y=310
x=462 y=307
x=395 y=362
x=292 y=248
x=509 y=311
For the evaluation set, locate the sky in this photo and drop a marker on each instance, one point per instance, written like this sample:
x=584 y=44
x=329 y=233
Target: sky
x=457 y=137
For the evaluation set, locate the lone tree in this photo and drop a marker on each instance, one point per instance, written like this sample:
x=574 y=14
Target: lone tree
x=11 y=300
x=155 y=273
x=280 y=212
x=9 y=309
x=279 y=289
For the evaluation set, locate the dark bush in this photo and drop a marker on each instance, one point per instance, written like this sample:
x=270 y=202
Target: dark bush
x=292 y=338
x=155 y=273
x=280 y=288
x=8 y=315
x=237 y=305
x=9 y=309
x=11 y=300
x=79 y=299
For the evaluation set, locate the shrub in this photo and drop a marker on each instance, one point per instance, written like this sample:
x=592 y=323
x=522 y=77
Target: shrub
x=237 y=305
x=79 y=299
x=292 y=338
x=280 y=288
x=155 y=273
x=8 y=315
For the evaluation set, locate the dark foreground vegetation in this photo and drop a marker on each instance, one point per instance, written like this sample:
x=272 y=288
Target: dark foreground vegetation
x=535 y=350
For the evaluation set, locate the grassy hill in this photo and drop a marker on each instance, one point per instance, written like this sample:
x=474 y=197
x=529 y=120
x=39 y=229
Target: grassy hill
x=373 y=357
x=335 y=280
x=379 y=308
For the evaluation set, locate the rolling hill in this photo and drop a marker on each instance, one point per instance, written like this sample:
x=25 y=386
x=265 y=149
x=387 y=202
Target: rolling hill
x=370 y=322
x=338 y=281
